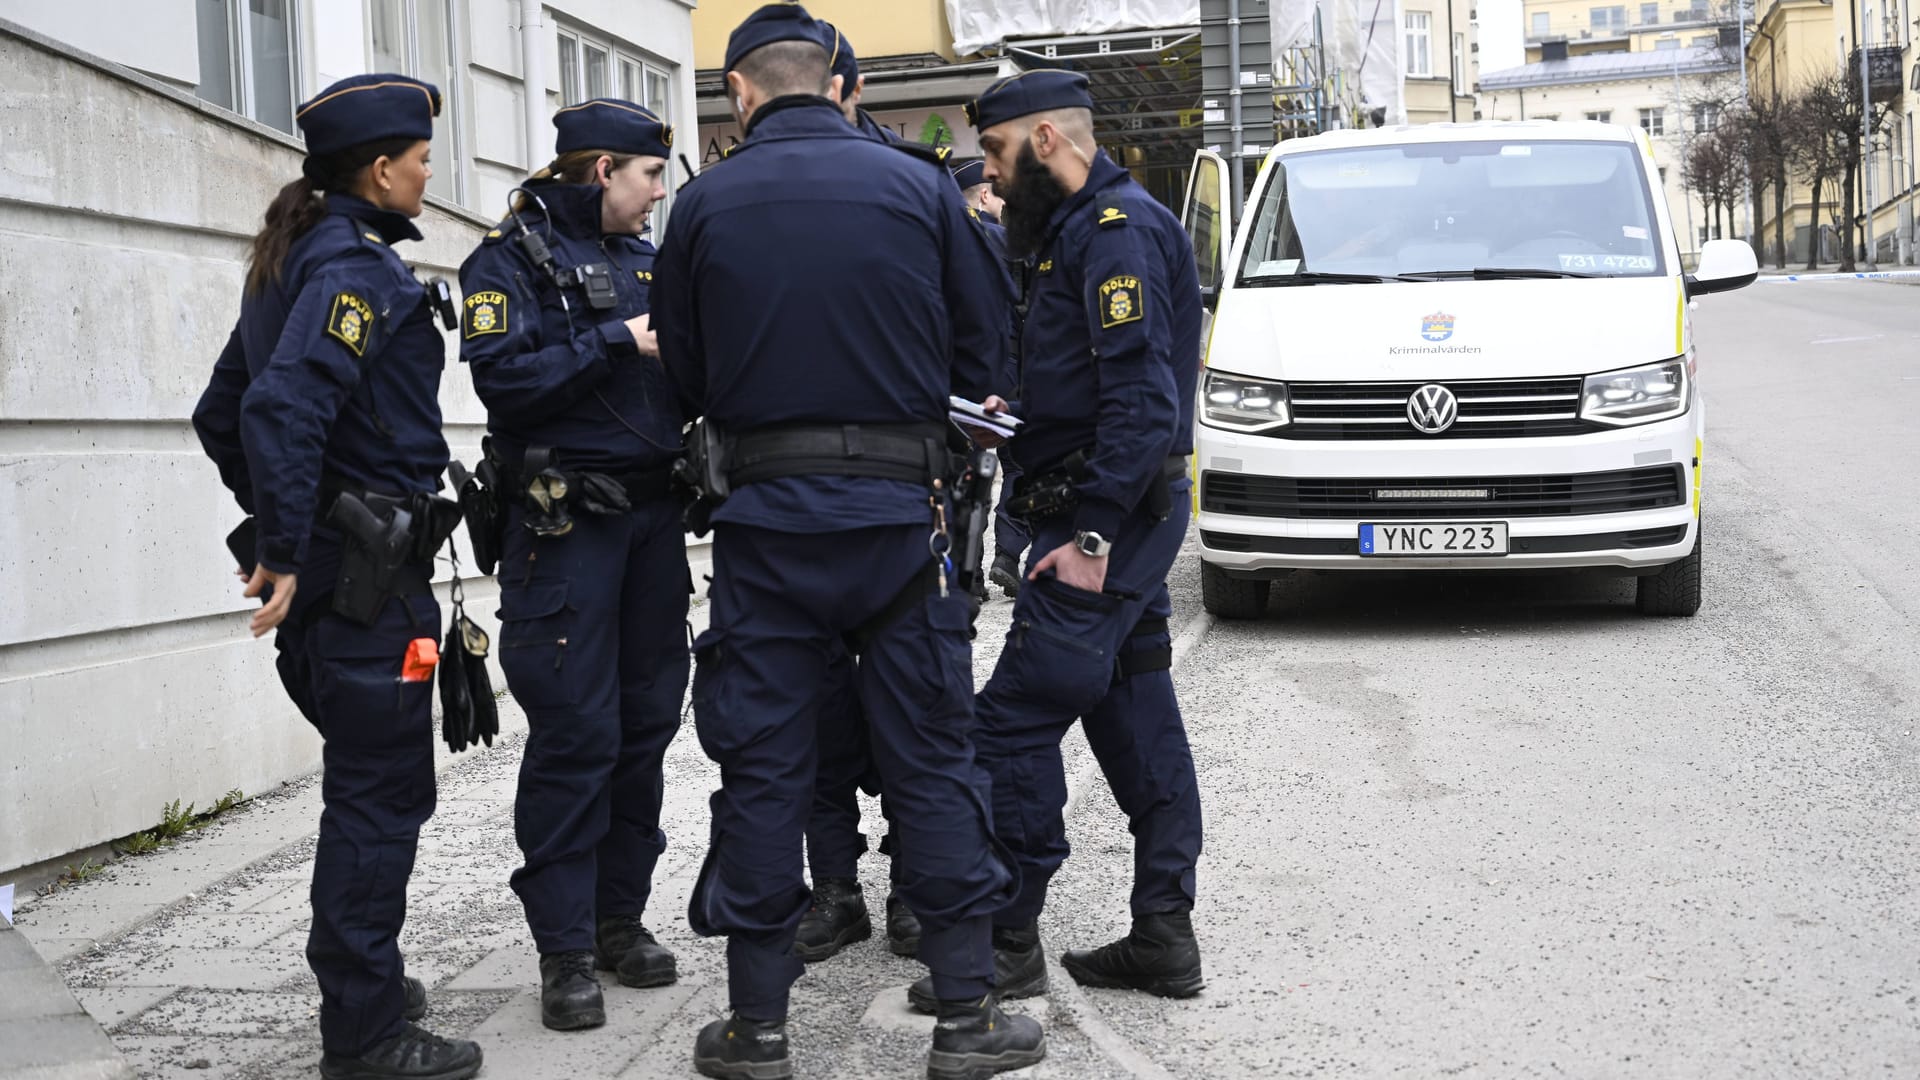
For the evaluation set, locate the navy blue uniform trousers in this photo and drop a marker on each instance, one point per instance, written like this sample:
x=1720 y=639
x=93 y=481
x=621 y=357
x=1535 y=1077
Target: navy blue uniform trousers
x=834 y=840
x=1060 y=663
x=376 y=790
x=781 y=604
x=593 y=641
x=1010 y=534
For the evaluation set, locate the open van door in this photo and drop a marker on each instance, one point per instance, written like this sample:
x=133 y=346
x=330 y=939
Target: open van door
x=1208 y=217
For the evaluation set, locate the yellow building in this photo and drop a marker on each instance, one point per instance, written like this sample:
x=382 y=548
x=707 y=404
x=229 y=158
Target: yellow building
x=1656 y=91
x=1590 y=26
x=1440 y=60
x=1795 y=41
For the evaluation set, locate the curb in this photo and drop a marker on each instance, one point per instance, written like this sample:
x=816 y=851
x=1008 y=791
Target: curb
x=44 y=1033
x=1078 y=1008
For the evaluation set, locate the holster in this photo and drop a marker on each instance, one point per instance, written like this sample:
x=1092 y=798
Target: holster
x=973 y=506
x=701 y=475
x=482 y=507
x=390 y=541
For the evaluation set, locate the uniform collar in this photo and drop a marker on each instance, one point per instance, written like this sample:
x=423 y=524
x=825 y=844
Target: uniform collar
x=870 y=126
x=574 y=209
x=797 y=114
x=392 y=225
x=1104 y=174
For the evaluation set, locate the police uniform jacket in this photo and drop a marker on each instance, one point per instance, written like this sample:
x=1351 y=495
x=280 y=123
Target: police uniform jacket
x=551 y=371
x=334 y=371
x=1111 y=347
x=818 y=276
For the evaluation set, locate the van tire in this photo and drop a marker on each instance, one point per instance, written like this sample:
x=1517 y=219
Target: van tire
x=1675 y=590
x=1232 y=597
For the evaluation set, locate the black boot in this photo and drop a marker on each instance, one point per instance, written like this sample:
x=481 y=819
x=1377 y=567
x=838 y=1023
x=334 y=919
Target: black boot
x=741 y=1049
x=416 y=997
x=973 y=1040
x=903 y=928
x=837 y=919
x=1006 y=572
x=415 y=1054
x=569 y=994
x=1019 y=970
x=624 y=946
x=1160 y=956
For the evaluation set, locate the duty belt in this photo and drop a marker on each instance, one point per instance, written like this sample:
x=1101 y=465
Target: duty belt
x=1056 y=492
x=647 y=485
x=916 y=453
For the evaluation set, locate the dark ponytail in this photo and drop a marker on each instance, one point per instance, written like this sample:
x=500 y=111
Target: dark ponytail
x=298 y=207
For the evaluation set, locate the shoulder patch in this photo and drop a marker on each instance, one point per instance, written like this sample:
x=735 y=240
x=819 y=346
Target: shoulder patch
x=1110 y=214
x=935 y=155
x=486 y=314
x=351 y=321
x=1121 y=301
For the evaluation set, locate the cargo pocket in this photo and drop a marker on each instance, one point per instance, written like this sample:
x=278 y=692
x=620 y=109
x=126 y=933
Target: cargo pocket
x=708 y=650
x=535 y=621
x=1057 y=650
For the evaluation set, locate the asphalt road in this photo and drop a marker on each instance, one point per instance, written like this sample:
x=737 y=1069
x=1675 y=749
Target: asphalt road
x=1473 y=826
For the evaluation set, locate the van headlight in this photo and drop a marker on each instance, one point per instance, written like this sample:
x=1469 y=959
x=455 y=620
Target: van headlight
x=1237 y=404
x=1637 y=395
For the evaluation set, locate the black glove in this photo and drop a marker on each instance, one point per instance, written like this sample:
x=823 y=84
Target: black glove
x=598 y=493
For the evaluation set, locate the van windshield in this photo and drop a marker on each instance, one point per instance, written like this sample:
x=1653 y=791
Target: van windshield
x=1489 y=209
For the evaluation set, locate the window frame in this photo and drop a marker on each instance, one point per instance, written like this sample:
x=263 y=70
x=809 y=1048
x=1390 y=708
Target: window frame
x=451 y=100
x=240 y=64
x=1424 y=36
x=1542 y=24
x=1600 y=116
x=1706 y=117
x=1653 y=121
x=619 y=55
x=1459 y=65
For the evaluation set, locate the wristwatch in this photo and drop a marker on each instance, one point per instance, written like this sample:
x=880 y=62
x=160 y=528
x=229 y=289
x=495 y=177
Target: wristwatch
x=1092 y=544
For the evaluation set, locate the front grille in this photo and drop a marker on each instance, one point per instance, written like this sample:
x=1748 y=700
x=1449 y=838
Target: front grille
x=1489 y=409
x=1519 y=545
x=1567 y=494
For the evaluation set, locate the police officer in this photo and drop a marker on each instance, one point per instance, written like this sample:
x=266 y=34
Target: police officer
x=593 y=569
x=327 y=390
x=832 y=404
x=1110 y=355
x=1010 y=537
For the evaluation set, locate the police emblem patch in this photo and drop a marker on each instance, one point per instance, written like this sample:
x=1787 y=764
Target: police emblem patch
x=350 y=322
x=486 y=314
x=1121 y=301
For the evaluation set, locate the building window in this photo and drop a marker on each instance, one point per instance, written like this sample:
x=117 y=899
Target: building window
x=1653 y=121
x=1604 y=116
x=1460 y=64
x=1419 y=44
x=1663 y=175
x=1666 y=43
x=1607 y=20
x=415 y=37
x=1705 y=41
x=1542 y=24
x=247 y=58
x=596 y=69
x=1706 y=117
x=1649 y=14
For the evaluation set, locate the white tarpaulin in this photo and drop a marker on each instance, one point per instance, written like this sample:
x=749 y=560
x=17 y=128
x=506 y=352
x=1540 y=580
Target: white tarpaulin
x=979 y=23
x=1362 y=41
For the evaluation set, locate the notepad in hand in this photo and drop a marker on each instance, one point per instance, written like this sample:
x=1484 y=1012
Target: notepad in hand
x=972 y=414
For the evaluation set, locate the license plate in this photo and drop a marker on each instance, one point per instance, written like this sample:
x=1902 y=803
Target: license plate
x=1435 y=538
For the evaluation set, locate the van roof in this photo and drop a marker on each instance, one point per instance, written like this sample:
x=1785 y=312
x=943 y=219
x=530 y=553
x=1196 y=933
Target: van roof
x=1474 y=131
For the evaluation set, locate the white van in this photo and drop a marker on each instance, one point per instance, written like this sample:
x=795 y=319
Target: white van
x=1450 y=347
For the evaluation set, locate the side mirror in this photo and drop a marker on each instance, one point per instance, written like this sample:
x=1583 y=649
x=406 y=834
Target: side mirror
x=1725 y=265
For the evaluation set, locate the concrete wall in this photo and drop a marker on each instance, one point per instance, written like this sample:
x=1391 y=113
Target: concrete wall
x=126 y=675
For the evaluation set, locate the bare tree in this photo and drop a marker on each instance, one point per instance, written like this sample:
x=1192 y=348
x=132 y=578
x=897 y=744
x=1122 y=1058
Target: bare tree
x=1763 y=129
x=1832 y=108
x=1716 y=169
x=1813 y=147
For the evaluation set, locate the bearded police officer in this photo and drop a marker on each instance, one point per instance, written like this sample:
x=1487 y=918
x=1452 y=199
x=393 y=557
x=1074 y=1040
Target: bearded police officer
x=1109 y=358
x=827 y=408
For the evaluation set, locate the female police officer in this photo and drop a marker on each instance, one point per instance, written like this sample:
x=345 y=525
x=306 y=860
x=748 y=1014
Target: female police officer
x=593 y=573
x=327 y=393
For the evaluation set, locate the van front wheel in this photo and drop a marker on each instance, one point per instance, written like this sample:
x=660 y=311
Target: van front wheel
x=1232 y=597
x=1675 y=590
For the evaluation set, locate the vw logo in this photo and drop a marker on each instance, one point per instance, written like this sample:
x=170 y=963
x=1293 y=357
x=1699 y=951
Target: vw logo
x=1432 y=409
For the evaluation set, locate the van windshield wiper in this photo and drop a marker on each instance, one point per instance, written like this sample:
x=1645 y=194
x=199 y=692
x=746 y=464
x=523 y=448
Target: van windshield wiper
x=1312 y=277
x=1492 y=273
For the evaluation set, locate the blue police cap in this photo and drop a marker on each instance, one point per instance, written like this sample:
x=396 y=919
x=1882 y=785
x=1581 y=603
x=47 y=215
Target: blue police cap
x=1029 y=92
x=774 y=22
x=368 y=108
x=840 y=55
x=611 y=124
x=970 y=174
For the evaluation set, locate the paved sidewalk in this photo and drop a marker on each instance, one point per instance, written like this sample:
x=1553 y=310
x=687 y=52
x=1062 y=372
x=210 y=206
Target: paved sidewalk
x=192 y=958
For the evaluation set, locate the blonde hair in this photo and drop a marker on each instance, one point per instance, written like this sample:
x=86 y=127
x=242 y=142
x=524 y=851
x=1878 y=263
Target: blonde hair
x=574 y=167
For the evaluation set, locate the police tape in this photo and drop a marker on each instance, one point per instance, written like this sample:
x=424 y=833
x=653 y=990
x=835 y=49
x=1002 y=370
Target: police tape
x=1863 y=275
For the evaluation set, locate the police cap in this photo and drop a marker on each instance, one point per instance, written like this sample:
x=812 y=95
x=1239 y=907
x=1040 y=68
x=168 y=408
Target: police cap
x=1028 y=92
x=840 y=55
x=970 y=174
x=611 y=124
x=368 y=108
x=772 y=23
